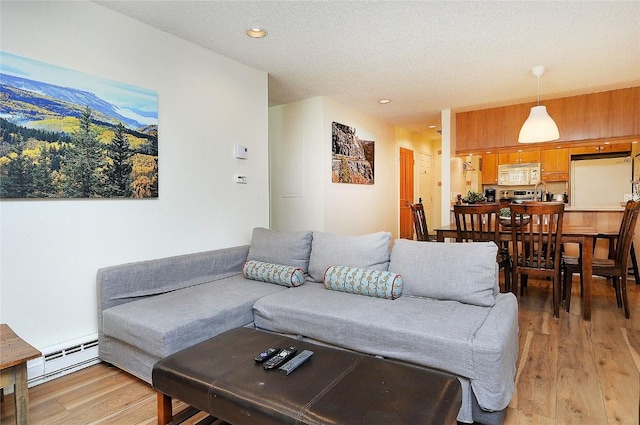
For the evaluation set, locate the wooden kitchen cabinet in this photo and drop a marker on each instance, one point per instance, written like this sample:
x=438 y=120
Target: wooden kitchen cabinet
x=554 y=177
x=530 y=156
x=601 y=148
x=554 y=160
x=489 y=129
x=554 y=165
x=605 y=115
x=490 y=168
x=518 y=157
x=601 y=115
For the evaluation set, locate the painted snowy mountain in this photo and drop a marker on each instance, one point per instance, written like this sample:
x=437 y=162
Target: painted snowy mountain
x=27 y=100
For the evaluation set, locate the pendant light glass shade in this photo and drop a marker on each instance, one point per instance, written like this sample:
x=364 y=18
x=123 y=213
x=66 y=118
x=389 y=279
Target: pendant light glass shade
x=539 y=127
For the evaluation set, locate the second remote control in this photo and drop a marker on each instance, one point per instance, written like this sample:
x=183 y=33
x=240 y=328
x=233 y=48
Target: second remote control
x=292 y=364
x=280 y=358
x=267 y=354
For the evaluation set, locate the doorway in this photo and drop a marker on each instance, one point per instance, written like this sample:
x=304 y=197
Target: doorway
x=406 y=193
x=425 y=184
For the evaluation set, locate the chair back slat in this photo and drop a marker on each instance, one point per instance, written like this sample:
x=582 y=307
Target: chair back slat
x=536 y=233
x=626 y=232
x=615 y=266
x=419 y=221
x=477 y=222
x=537 y=243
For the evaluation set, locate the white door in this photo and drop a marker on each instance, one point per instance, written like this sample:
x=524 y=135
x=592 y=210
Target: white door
x=425 y=185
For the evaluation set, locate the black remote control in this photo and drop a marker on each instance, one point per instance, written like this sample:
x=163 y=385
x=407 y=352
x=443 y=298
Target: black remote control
x=266 y=354
x=292 y=364
x=279 y=358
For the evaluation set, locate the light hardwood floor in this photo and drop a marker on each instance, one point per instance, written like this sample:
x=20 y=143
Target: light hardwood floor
x=569 y=372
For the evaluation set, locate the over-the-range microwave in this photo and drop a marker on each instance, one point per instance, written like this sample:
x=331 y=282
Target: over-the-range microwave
x=519 y=174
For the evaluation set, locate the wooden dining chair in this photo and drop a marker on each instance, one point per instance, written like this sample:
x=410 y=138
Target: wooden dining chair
x=536 y=233
x=420 y=222
x=479 y=223
x=613 y=240
x=615 y=268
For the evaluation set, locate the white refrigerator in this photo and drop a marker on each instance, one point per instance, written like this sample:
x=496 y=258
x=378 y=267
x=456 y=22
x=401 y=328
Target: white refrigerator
x=601 y=182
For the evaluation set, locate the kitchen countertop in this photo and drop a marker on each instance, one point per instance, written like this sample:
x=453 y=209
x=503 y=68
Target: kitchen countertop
x=569 y=208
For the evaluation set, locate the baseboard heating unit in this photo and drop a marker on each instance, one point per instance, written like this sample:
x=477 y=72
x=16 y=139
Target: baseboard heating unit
x=62 y=359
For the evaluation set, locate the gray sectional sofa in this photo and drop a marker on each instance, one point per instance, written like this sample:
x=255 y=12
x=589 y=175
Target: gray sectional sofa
x=450 y=315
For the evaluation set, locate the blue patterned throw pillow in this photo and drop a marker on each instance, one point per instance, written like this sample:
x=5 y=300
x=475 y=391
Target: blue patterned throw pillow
x=373 y=283
x=273 y=273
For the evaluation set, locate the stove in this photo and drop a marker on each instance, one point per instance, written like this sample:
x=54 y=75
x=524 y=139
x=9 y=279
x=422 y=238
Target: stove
x=520 y=195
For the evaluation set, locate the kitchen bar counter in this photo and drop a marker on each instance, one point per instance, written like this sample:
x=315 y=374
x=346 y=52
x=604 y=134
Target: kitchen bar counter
x=569 y=208
x=603 y=219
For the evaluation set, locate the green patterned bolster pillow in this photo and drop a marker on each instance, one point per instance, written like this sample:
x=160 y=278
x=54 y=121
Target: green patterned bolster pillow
x=273 y=273
x=373 y=283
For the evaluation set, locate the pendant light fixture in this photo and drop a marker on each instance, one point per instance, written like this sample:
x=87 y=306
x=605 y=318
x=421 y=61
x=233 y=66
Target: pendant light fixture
x=539 y=127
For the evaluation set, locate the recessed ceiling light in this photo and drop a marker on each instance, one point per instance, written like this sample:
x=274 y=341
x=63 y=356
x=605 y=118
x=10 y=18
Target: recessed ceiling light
x=256 y=32
x=384 y=101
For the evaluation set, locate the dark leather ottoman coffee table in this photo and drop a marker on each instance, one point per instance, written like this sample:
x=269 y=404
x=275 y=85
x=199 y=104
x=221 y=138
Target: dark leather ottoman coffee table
x=220 y=377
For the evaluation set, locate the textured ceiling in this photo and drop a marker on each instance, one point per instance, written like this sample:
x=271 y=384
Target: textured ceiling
x=423 y=55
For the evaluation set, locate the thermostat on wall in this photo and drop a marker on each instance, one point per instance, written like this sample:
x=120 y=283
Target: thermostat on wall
x=241 y=152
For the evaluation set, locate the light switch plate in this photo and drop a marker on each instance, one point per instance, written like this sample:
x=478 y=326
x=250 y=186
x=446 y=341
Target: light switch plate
x=242 y=152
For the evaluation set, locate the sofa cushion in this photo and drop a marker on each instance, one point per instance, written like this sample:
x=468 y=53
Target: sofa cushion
x=478 y=343
x=425 y=331
x=166 y=323
x=273 y=273
x=368 y=251
x=373 y=283
x=464 y=272
x=281 y=247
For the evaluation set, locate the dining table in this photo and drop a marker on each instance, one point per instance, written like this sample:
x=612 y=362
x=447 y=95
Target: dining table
x=571 y=233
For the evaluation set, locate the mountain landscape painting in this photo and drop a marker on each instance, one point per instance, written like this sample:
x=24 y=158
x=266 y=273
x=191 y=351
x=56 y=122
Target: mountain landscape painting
x=352 y=157
x=68 y=134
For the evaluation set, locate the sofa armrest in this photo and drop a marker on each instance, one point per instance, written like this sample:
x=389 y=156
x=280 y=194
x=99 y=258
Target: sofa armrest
x=129 y=282
x=496 y=354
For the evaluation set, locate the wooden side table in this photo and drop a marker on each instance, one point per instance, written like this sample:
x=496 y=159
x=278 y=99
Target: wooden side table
x=14 y=354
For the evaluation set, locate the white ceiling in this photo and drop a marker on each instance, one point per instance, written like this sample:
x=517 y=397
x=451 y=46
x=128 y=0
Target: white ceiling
x=425 y=56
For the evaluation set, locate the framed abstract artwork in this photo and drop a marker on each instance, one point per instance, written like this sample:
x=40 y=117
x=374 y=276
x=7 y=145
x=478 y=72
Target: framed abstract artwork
x=353 y=158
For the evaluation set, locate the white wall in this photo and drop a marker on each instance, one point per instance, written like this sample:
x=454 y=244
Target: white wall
x=356 y=209
x=447 y=121
x=437 y=189
x=50 y=250
x=296 y=168
x=301 y=132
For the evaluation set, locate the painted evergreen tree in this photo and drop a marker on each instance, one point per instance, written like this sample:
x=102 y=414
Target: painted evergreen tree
x=42 y=179
x=17 y=179
x=154 y=181
x=85 y=163
x=119 y=171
